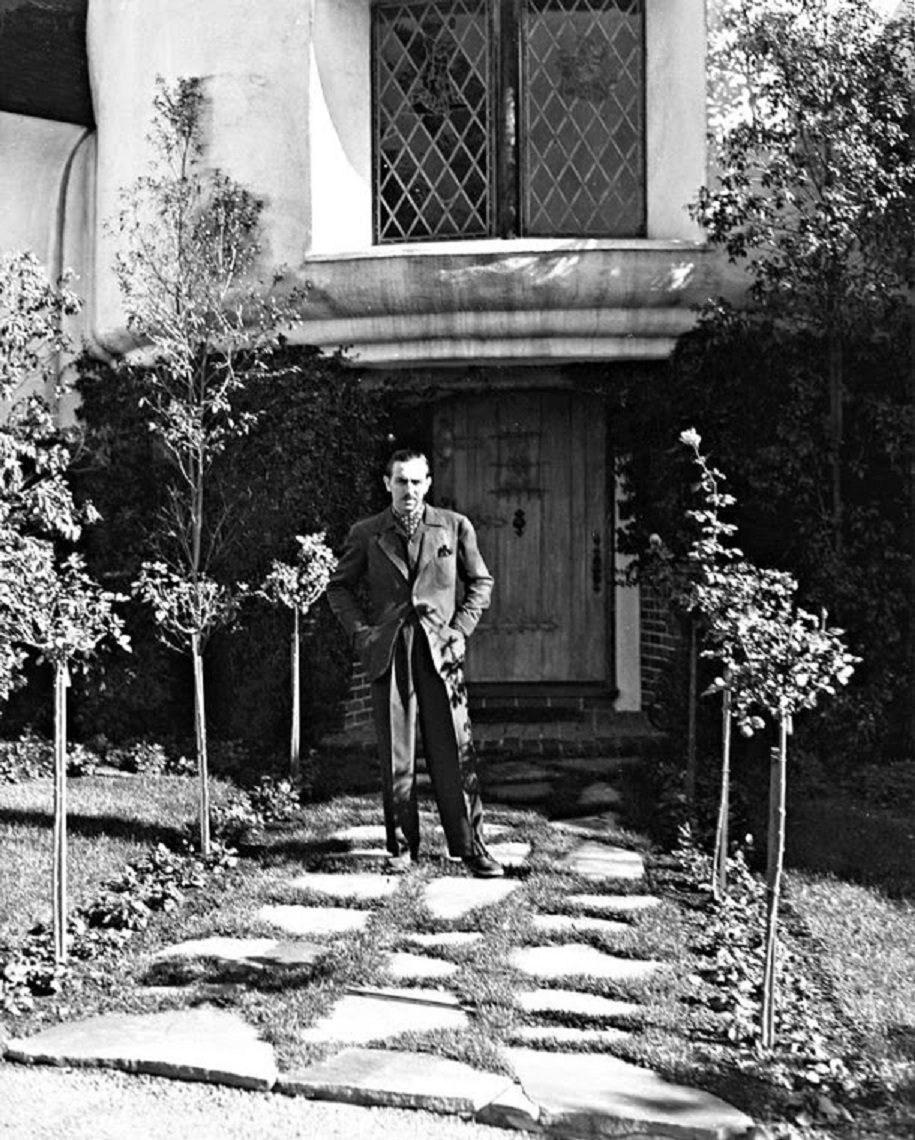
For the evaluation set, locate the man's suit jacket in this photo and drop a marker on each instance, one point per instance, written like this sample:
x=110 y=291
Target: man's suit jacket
x=448 y=557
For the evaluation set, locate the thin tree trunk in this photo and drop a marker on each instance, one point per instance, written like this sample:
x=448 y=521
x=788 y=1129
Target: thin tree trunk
x=724 y=806
x=775 y=865
x=295 y=760
x=837 y=431
x=690 y=788
x=61 y=681
x=201 y=733
x=912 y=497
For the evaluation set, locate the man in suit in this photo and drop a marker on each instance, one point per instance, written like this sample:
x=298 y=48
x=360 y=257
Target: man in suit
x=427 y=587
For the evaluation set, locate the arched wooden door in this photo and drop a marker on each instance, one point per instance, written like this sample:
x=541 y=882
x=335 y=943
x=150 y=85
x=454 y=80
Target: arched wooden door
x=529 y=469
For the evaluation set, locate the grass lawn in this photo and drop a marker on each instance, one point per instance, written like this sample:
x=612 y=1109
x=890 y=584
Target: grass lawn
x=111 y=821
x=853 y=943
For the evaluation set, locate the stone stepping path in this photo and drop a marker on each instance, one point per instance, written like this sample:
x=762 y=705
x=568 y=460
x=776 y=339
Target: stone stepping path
x=408 y=1080
x=458 y=939
x=314 y=920
x=578 y=924
x=575 y=959
x=614 y=904
x=450 y=898
x=517 y=771
x=602 y=861
x=369 y=887
x=510 y=854
x=257 y=953
x=408 y=966
x=599 y=795
x=520 y=794
x=361 y=1017
x=575 y=1003
x=587 y=825
x=194 y=1045
x=592 y=1094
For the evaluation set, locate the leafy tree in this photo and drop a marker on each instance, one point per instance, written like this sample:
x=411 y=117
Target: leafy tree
x=815 y=184
x=297 y=586
x=776 y=660
x=47 y=606
x=188 y=277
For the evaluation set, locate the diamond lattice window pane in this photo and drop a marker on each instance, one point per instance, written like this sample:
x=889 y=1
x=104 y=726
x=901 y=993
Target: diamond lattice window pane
x=582 y=102
x=433 y=115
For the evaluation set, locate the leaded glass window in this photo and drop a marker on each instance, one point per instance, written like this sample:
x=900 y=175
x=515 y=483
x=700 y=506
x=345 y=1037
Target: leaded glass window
x=507 y=117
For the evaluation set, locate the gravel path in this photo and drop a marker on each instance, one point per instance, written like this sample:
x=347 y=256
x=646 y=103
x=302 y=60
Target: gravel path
x=42 y=1103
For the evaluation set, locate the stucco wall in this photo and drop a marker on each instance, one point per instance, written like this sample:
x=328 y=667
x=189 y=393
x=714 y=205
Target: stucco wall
x=288 y=98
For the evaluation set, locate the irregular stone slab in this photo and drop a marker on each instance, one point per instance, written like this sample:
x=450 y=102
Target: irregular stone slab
x=399 y=1079
x=573 y=960
x=362 y=833
x=519 y=793
x=588 y=825
x=314 y=919
x=615 y=904
x=453 y=897
x=458 y=938
x=588 y=1094
x=192 y=1045
x=510 y=854
x=546 y=1036
x=510 y=771
x=347 y=886
x=358 y=1018
x=416 y=966
x=575 y=1002
x=513 y=1109
x=254 y=952
x=599 y=795
x=564 y=923
x=603 y=861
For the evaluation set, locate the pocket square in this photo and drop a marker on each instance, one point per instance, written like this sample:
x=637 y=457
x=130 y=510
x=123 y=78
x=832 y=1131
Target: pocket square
x=444 y=551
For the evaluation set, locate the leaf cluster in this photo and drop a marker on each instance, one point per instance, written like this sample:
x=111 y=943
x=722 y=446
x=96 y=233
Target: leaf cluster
x=298 y=585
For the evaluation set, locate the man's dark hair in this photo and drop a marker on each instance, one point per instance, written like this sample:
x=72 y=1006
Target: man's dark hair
x=404 y=456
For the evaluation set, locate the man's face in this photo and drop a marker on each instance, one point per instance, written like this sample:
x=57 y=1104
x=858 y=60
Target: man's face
x=408 y=485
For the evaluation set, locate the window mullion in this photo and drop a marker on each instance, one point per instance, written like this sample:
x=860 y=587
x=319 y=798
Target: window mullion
x=505 y=38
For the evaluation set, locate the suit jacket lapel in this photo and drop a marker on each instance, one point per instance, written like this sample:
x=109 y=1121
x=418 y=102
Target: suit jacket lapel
x=431 y=539
x=390 y=543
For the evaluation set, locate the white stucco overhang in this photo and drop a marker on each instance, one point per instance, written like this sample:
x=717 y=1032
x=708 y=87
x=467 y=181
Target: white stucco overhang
x=501 y=301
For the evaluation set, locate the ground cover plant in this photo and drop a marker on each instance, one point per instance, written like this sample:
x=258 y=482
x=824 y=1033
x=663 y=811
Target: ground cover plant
x=694 y=1026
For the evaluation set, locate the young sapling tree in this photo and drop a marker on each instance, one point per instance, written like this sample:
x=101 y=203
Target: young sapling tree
x=205 y=326
x=297 y=586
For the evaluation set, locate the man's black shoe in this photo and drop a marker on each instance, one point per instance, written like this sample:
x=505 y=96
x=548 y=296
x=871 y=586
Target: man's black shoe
x=483 y=867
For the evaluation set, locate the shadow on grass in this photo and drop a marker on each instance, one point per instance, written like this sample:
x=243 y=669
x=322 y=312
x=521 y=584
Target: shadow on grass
x=96 y=826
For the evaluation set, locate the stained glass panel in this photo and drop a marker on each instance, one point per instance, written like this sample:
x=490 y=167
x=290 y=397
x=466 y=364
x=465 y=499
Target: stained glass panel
x=433 y=137
x=582 y=117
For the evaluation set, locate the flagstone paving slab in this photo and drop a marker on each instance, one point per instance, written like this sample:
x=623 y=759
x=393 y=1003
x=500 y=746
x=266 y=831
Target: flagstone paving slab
x=575 y=959
x=399 y=1079
x=603 y=861
x=510 y=854
x=401 y=965
x=582 y=924
x=255 y=952
x=599 y=795
x=454 y=938
x=347 y=886
x=194 y=1045
x=453 y=897
x=314 y=919
x=596 y=1095
x=575 y=1002
x=510 y=771
x=358 y=1018
x=587 y=826
x=362 y=833
x=614 y=904
x=519 y=793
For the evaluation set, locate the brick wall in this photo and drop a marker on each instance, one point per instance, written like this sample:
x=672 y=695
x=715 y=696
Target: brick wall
x=659 y=638
x=357 y=711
